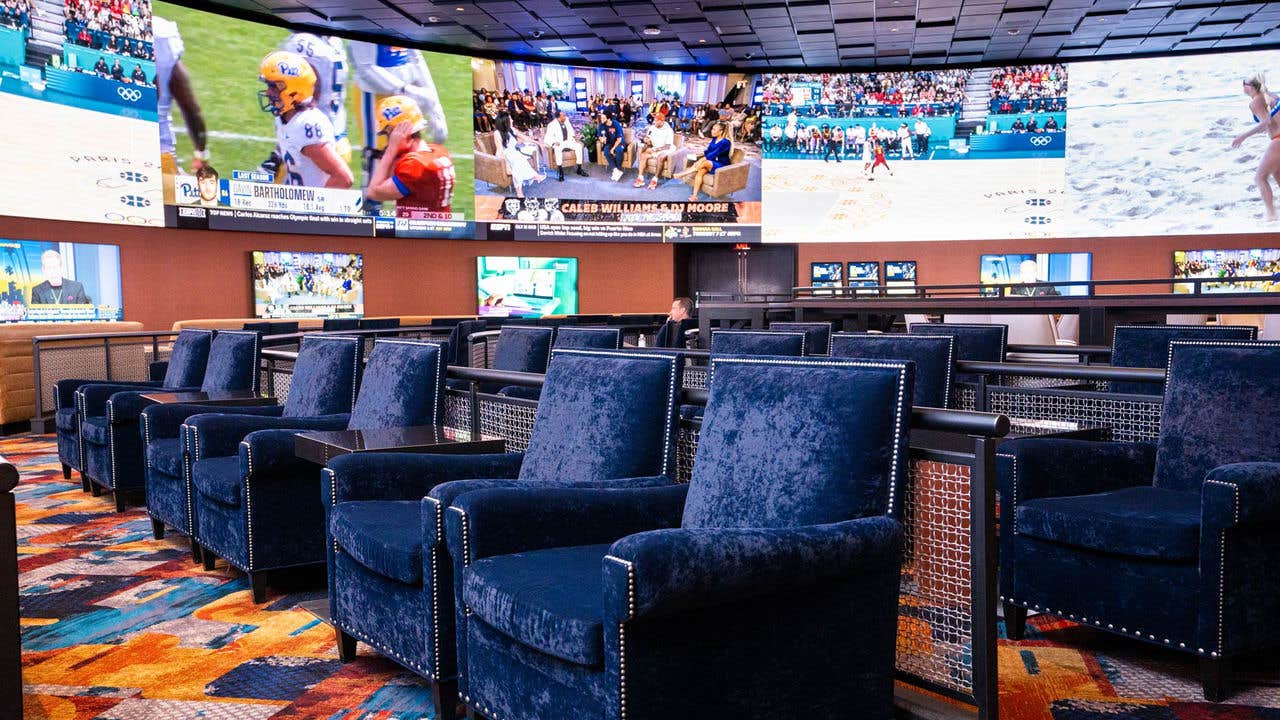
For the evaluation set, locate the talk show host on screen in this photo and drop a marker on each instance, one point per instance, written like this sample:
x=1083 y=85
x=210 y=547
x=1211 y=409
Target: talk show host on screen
x=57 y=290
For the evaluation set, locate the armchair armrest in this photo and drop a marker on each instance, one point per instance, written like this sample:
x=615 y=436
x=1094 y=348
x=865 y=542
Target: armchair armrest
x=95 y=395
x=485 y=523
x=126 y=407
x=1241 y=494
x=165 y=421
x=64 y=391
x=217 y=434
x=1046 y=467
x=269 y=453
x=408 y=476
x=667 y=571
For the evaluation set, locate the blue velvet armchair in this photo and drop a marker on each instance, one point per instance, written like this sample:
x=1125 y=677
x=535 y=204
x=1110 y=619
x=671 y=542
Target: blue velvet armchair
x=1147 y=346
x=934 y=356
x=257 y=505
x=571 y=338
x=606 y=419
x=521 y=348
x=1173 y=543
x=183 y=371
x=817 y=335
x=735 y=596
x=758 y=342
x=974 y=341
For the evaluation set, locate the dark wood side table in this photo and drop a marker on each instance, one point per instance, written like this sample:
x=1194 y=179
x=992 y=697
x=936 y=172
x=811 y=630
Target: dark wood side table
x=321 y=446
x=227 y=397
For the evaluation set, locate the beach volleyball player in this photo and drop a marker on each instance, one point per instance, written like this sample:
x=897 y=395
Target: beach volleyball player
x=1265 y=107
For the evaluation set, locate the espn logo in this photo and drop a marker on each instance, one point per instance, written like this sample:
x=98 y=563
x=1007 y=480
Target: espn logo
x=192 y=212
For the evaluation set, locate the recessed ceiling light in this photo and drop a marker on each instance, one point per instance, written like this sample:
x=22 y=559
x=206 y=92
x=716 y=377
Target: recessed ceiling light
x=702 y=41
x=893 y=29
x=460 y=9
x=651 y=30
x=1015 y=31
x=433 y=19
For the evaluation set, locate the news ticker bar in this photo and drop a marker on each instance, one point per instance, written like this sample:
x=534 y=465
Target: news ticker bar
x=250 y=220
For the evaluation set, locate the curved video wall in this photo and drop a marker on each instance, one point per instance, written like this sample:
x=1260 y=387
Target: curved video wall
x=156 y=114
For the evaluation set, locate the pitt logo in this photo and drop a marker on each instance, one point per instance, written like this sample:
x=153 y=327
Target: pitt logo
x=289 y=69
x=392 y=112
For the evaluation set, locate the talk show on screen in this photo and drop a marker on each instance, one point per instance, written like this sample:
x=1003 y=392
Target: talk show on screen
x=1035 y=274
x=1228 y=268
x=526 y=287
x=307 y=284
x=59 y=282
x=297 y=132
x=566 y=152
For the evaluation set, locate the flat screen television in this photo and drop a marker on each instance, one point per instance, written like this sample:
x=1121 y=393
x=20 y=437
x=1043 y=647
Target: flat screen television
x=59 y=282
x=826 y=274
x=900 y=274
x=526 y=286
x=1226 y=265
x=289 y=284
x=1039 y=271
x=864 y=273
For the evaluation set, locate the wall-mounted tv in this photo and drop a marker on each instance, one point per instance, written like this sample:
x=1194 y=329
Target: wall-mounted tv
x=826 y=274
x=899 y=274
x=1036 y=273
x=864 y=273
x=290 y=284
x=526 y=286
x=1226 y=265
x=59 y=282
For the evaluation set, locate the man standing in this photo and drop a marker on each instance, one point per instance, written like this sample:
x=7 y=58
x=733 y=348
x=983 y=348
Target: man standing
x=922 y=136
x=559 y=137
x=905 y=143
x=57 y=290
x=659 y=143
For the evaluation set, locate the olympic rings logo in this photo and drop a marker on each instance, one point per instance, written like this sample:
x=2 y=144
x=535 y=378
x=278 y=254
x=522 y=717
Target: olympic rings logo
x=129 y=94
x=1041 y=140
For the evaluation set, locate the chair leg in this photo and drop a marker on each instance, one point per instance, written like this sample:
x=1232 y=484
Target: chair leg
x=66 y=471
x=473 y=715
x=121 y=505
x=157 y=528
x=207 y=558
x=195 y=551
x=346 y=646
x=1215 y=679
x=444 y=695
x=258 y=584
x=1015 y=621
x=86 y=483
x=95 y=489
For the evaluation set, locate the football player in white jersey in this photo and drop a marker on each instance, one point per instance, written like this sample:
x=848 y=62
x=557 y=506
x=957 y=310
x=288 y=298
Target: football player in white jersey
x=329 y=59
x=174 y=84
x=304 y=134
x=386 y=70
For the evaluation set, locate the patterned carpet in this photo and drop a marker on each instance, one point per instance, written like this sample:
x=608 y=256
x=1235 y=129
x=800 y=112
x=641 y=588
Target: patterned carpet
x=118 y=625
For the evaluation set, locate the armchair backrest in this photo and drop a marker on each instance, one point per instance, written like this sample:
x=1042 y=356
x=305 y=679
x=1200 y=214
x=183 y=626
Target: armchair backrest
x=605 y=414
x=402 y=386
x=817 y=335
x=523 y=348
x=579 y=338
x=325 y=376
x=934 y=356
x=1147 y=346
x=757 y=342
x=974 y=341
x=789 y=442
x=1220 y=406
x=338 y=324
x=188 y=359
x=234 y=357
x=379 y=323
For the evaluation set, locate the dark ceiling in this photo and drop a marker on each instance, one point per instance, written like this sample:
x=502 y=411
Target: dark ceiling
x=794 y=33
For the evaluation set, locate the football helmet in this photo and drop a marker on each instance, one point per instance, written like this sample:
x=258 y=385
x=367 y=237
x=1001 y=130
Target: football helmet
x=290 y=81
x=396 y=109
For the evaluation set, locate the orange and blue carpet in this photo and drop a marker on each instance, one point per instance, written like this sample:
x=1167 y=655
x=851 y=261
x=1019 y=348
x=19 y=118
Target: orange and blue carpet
x=120 y=626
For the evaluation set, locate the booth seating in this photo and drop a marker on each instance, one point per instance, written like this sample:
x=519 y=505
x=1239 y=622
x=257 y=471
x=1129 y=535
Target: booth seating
x=1147 y=346
x=257 y=505
x=606 y=419
x=232 y=364
x=91 y=437
x=766 y=588
x=571 y=338
x=1172 y=544
x=817 y=335
x=933 y=355
x=17 y=367
x=977 y=342
x=758 y=342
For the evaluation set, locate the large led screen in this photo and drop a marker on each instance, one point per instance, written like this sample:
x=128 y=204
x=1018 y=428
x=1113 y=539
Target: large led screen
x=307 y=284
x=59 y=282
x=78 y=112
x=526 y=286
x=1226 y=268
x=291 y=126
x=567 y=152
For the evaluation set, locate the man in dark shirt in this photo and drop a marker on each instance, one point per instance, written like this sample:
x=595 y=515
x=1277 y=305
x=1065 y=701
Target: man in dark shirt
x=101 y=68
x=680 y=319
x=1018 y=126
x=117 y=71
x=1051 y=124
x=139 y=77
x=611 y=142
x=57 y=290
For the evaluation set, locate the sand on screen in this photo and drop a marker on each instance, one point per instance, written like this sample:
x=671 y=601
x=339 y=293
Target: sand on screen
x=1149 y=148
x=81 y=165
x=813 y=201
